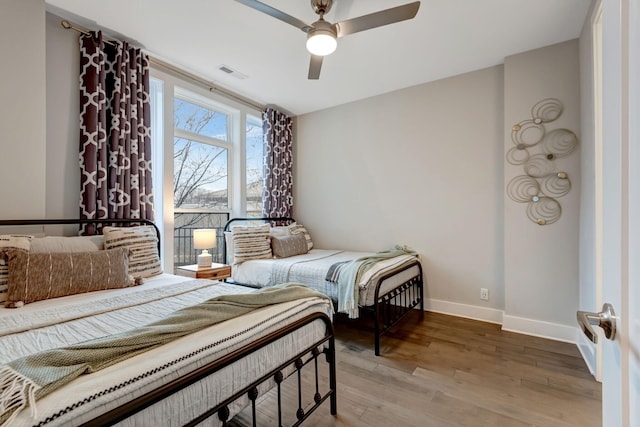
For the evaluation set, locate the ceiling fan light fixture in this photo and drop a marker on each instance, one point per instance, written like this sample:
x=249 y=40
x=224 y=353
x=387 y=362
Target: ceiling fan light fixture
x=321 y=43
x=321 y=40
x=322 y=36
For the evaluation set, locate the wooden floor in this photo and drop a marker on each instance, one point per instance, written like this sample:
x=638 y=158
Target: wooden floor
x=449 y=371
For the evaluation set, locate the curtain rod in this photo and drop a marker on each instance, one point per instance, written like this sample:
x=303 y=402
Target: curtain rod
x=175 y=70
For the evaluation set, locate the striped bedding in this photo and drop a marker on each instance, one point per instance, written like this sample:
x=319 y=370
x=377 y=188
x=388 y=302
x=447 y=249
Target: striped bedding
x=311 y=269
x=68 y=320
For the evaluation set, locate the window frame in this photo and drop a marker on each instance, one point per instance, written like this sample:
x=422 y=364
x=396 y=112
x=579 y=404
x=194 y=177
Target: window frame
x=200 y=101
x=173 y=87
x=250 y=118
x=185 y=95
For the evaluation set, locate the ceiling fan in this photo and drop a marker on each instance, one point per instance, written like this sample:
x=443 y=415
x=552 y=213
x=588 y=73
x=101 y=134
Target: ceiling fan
x=322 y=35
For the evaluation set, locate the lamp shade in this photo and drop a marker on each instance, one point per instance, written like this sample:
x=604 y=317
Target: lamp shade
x=321 y=44
x=204 y=238
x=321 y=40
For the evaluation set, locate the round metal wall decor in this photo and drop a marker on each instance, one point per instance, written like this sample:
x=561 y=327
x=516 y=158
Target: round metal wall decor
x=546 y=110
x=518 y=155
x=536 y=150
x=560 y=142
x=545 y=211
x=523 y=189
x=527 y=133
x=539 y=166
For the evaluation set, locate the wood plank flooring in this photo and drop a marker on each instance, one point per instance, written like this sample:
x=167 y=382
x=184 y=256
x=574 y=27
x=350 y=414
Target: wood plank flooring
x=449 y=371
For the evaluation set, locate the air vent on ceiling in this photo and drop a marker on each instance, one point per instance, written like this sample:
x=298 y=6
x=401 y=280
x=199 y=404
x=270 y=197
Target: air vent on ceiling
x=231 y=72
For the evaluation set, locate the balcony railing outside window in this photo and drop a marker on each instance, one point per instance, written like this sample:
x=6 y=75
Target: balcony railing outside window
x=185 y=223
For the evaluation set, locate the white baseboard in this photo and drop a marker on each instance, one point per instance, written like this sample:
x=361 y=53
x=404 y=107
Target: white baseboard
x=539 y=328
x=475 y=312
x=520 y=325
x=588 y=351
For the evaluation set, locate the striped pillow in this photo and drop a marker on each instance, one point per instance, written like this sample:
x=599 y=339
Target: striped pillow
x=251 y=243
x=39 y=276
x=296 y=228
x=4 y=279
x=286 y=246
x=142 y=241
x=7 y=242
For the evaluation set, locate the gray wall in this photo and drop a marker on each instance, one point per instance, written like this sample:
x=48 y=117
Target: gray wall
x=63 y=172
x=422 y=167
x=22 y=110
x=425 y=166
x=541 y=262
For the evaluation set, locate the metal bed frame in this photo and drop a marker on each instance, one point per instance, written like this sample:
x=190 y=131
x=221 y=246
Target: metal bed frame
x=305 y=358
x=388 y=308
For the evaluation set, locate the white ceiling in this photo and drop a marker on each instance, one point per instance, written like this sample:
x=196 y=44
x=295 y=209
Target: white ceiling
x=446 y=38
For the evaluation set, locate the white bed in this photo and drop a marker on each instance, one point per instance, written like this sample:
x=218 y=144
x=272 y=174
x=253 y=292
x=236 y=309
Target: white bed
x=235 y=353
x=389 y=289
x=311 y=269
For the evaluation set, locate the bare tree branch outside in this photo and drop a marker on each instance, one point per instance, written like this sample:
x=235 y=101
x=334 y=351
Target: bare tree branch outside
x=201 y=173
x=200 y=166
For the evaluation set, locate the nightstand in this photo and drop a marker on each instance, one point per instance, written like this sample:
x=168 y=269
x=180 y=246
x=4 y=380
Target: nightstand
x=216 y=271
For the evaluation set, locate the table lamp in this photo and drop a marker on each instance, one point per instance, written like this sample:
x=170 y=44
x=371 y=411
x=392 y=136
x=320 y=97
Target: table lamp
x=204 y=238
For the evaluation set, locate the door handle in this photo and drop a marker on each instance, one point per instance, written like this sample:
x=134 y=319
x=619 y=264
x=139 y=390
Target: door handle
x=606 y=319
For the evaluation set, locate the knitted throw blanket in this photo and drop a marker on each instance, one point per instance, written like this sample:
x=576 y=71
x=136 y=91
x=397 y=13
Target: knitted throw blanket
x=350 y=275
x=27 y=379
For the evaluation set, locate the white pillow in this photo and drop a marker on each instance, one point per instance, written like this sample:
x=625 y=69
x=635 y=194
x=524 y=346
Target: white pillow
x=280 y=231
x=52 y=244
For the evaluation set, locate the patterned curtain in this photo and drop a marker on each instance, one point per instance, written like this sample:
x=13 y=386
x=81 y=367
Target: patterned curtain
x=277 y=192
x=115 y=119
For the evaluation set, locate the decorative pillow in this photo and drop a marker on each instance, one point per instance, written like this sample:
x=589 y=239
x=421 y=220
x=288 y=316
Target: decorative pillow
x=7 y=242
x=251 y=243
x=4 y=279
x=40 y=276
x=67 y=244
x=228 y=240
x=286 y=246
x=296 y=228
x=142 y=242
x=279 y=231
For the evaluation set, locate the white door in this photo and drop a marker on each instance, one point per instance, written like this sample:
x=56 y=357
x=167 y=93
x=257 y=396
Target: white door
x=621 y=210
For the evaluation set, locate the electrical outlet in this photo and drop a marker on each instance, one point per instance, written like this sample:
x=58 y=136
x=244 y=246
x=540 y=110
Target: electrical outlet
x=484 y=293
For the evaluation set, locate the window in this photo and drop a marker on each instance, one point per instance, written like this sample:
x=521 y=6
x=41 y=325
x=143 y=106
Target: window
x=207 y=164
x=200 y=157
x=200 y=120
x=254 y=163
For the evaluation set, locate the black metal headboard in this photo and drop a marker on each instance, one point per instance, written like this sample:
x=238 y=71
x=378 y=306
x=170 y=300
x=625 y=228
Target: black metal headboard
x=227 y=227
x=119 y=222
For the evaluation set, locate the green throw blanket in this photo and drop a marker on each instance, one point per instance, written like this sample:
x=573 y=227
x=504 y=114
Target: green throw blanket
x=351 y=273
x=27 y=379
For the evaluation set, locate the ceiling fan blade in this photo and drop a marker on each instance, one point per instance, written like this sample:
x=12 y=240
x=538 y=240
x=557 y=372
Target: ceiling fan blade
x=377 y=19
x=314 y=67
x=278 y=14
